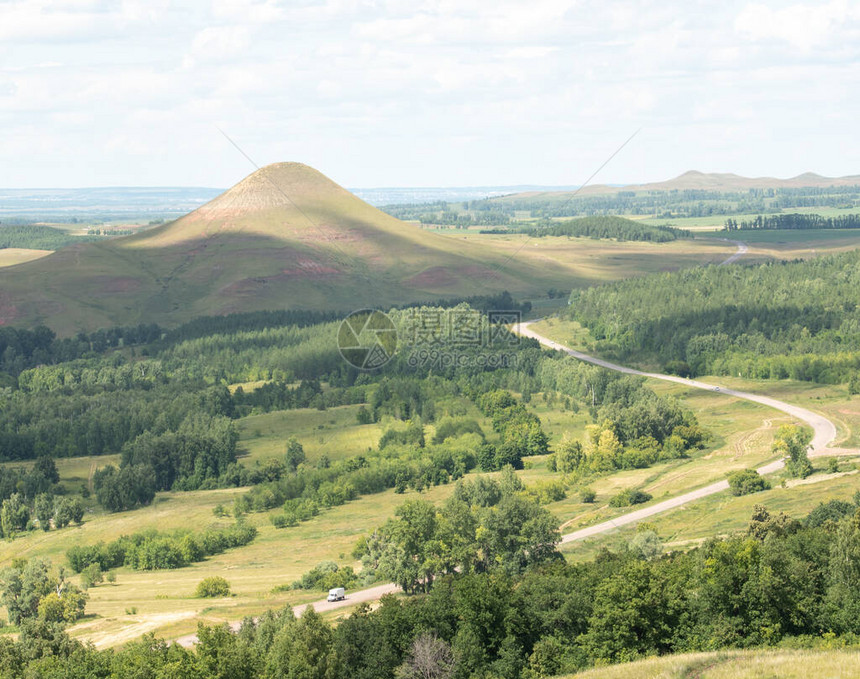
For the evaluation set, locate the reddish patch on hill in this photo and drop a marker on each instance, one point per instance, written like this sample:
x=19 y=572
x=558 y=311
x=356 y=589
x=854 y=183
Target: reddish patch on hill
x=251 y=286
x=112 y=285
x=309 y=268
x=8 y=311
x=434 y=277
x=442 y=277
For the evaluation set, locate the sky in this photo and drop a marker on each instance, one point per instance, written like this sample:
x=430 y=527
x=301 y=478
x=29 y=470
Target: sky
x=425 y=93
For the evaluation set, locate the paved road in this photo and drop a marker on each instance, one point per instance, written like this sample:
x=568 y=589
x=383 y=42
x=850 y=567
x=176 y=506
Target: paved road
x=357 y=597
x=824 y=433
x=743 y=248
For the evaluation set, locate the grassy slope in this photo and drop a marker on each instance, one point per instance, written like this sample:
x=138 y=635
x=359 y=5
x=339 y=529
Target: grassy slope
x=758 y=664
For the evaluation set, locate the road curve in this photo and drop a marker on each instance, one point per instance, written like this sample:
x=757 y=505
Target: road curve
x=824 y=434
x=824 y=431
x=743 y=248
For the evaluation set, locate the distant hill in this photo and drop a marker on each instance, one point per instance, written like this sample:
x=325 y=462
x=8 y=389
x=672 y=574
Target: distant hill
x=694 y=180
x=284 y=237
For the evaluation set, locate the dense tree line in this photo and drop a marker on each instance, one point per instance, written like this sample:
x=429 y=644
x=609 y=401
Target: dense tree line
x=21 y=349
x=463 y=220
x=672 y=204
x=794 y=221
x=714 y=320
x=153 y=550
x=36 y=237
x=617 y=228
x=100 y=420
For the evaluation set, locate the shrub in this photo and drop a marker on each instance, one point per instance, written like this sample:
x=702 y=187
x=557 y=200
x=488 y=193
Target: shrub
x=283 y=520
x=629 y=497
x=833 y=510
x=548 y=491
x=746 y=481
x=325 y=576
x=212 y=587
x=587 y=495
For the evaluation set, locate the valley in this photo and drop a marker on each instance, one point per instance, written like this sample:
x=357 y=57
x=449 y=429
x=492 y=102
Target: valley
x=245 y=419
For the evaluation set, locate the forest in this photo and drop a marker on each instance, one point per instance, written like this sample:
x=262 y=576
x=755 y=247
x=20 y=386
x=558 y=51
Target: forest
x=490 y=595
x=160 y=400
x=613 y=227
x=714 y=320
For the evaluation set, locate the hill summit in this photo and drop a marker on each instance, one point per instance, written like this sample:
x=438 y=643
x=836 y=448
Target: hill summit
x=286 y=236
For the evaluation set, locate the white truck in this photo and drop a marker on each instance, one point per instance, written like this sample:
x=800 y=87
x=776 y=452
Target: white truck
x=337 y=594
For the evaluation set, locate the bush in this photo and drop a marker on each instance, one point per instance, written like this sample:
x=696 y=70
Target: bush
x=325 y=576
x=833 y=510
x=212 y=587
x=587 y=495
x=283 y=520
x=548 y=491
x=746 y=481
x=629 y=497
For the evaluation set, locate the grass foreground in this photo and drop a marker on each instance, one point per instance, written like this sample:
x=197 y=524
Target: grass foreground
x=757 y=664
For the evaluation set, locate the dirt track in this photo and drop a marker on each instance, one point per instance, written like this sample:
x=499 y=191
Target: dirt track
x=743 y=248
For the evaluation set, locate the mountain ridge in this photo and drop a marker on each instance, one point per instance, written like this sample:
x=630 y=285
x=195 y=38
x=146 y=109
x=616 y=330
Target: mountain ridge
x=709 y=181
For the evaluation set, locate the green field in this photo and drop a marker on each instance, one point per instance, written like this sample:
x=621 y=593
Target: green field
x=13 y=256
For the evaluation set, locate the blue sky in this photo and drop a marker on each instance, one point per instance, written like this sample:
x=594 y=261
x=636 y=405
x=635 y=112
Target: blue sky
x=437 y=93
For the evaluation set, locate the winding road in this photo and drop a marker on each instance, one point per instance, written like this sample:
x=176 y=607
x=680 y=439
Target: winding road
x=824 y=432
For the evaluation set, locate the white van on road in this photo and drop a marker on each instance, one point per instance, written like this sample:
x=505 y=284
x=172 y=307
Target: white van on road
x=336 y=594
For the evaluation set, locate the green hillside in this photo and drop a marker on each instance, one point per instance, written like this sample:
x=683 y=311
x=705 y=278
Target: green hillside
x=285 y=237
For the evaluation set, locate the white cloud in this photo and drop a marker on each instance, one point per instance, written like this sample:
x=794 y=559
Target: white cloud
x=217 y=43
x=802 y=26
x=424 y=91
